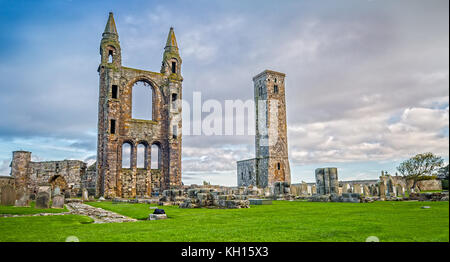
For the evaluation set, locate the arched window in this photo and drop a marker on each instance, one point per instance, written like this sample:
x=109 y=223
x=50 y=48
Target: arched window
x=110 y=56
x=155 y=157
x=142 y=99
x=126 y=155
x=141 y=156
x=174 y=67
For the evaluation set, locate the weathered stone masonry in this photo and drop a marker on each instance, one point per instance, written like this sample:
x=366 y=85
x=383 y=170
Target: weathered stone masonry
x=70 y=176
x=271 y=163
x=116 y=126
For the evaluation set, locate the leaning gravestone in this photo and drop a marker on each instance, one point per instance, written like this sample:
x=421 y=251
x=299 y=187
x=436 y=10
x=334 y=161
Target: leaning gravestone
x=42 y=200
x=58 y=201
x=8 y=195
x=22 y=198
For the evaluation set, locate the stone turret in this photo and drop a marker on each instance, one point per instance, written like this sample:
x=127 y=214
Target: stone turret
x=110 y=46
x=171 y=64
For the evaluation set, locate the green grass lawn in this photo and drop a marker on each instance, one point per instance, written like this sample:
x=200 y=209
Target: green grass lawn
x=282 y=221
x=29 y=210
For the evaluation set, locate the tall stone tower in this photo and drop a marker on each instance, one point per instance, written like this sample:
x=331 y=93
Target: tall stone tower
x=271 y=163
x=118 y=130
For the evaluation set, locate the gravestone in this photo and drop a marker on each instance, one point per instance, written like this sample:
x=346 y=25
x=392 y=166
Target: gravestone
x=46 y=189
x=42 y=200
x=58 y=201
x=22 y=198
x=357 y=188
x=67 y=194
x=85 y=195
x=366 y=190
x=313 y=190
x=8 y=195
x=56 y=191
x=382 y=190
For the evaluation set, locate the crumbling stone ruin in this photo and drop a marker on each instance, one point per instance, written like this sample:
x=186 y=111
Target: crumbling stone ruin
x=119 y=130
x=327 y=181
x=67 y=177
x=213 y=198
x=271 y=163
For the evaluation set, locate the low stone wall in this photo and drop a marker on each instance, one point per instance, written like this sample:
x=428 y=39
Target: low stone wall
x=429 y=185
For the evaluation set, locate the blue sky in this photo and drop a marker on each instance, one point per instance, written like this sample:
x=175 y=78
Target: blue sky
x=367 y=81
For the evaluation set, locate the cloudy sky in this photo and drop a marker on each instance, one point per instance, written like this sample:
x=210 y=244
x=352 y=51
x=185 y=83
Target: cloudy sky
x=366 y=81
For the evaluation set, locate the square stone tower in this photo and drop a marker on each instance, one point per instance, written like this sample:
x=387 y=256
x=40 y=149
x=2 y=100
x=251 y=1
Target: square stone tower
x=119 y=130
x=271 y=163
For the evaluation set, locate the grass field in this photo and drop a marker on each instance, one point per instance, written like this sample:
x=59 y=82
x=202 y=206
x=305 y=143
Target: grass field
x=29 y=210
x=282 y=221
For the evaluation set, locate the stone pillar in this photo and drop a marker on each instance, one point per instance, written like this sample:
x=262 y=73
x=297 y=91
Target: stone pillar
x=19 y=169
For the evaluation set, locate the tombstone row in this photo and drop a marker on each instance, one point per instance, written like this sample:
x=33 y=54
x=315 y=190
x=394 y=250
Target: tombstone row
x=20 y=197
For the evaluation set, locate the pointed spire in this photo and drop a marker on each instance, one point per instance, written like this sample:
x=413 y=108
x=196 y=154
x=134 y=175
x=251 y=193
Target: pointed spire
x=171 y=44
x=110 y=28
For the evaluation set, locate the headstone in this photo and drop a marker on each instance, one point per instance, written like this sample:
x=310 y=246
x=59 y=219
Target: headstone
x=42 y=200
x=8 y=195
x=382 y=190
x=58 y=201
x=304 y=188
x=366 y=190
x=157 y=216
x=22 y=199
x=56 y=191
x=46 y=189
x=357 y=188
x=67 y=194
x=85 y=195
x=313 y=190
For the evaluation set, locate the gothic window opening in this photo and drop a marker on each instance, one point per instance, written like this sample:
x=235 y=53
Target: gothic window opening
x=141 y=156
x=278 y=166
x=126 y=155
x=112 y=128
x=114 y=91
x=174 y=100
x=174 y=132
x=110 y=56
x=275 y=89
x=174 y=67
x=155 y=155
x=142 y=101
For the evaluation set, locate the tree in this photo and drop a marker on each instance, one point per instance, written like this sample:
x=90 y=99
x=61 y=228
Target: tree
x=419 y=166
x=442 y=173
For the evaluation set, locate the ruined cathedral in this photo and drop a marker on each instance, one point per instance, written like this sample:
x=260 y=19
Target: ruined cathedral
x=117 y=129
x=155 y=140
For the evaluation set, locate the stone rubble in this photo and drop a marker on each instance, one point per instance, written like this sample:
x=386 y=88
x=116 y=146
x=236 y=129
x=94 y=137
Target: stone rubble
x=98 y=214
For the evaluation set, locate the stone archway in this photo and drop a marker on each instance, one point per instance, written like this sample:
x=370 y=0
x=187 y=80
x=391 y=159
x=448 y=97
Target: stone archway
x=58 y=182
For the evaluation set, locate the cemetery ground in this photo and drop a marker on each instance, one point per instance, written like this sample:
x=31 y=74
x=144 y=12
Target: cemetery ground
x=389 y=221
